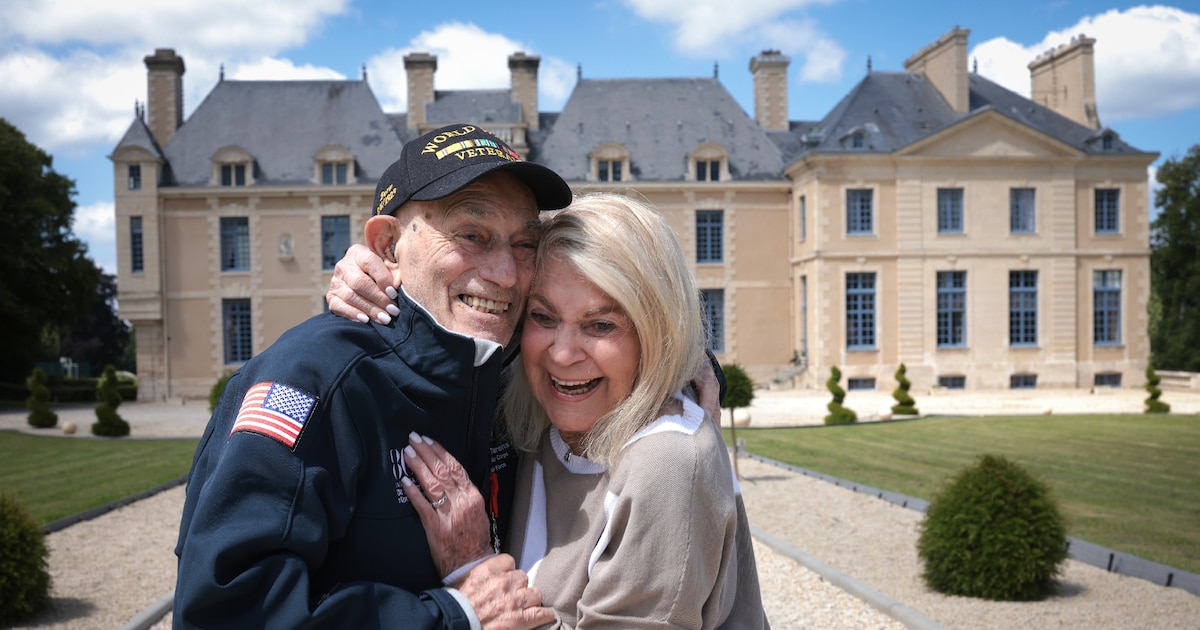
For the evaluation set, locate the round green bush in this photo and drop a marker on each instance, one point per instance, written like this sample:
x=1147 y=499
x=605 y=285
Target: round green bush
x=739 y=388
x=24 y=573
x=994 y=532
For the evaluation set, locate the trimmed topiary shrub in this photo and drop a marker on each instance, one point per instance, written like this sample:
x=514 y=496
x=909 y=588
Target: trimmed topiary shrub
x=905 y=405
x=40 y=416
x=218 y=388
x=24 y=572
x=109 y=423
x=739 y=392
x=837 y=413
x=1153 y=404
x=993 y=532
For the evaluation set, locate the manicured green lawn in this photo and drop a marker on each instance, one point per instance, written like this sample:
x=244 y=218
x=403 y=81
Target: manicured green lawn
x=1128 y=482
x=56 y=477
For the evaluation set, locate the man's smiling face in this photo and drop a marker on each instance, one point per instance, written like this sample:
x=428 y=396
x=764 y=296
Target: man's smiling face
x=468 y=258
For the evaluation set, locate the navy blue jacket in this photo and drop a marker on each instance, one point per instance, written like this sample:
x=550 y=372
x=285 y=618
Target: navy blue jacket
x=314 y=530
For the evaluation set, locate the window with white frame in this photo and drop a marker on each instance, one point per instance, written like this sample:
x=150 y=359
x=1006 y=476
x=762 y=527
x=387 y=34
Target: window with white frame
x=610 y=163
x=950 y=210
x=710 y=234
x=1022 y=307
x=1106 y=298
x=713 y=301
x=803 y=218
x=951 y=309
x=137 y=260
x=709 y=162
x=860 y=211
x=235 y=315
x=235 y=244
x=860 y=310
x=334 y=165
x=335 y=239
x=135 y=177
x=1022 y=210
x=232 y=166
x=1108 y=210
x=1022 y=381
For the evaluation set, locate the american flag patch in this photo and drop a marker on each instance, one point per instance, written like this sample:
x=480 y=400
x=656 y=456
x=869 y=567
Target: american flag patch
x=276 y=411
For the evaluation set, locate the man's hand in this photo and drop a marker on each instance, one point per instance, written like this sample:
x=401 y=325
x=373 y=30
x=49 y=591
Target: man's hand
x=451 y=508
x=502 y=597
x=361 y=287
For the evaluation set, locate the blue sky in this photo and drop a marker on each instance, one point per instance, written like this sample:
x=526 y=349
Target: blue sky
x=73 y=68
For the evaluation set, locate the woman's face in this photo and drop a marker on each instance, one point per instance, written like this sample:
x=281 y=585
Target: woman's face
x=579 y=349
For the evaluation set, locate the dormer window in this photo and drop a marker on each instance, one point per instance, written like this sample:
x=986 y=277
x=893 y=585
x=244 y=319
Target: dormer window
x=233 y=174
x=610 y=163
x=856 y=140
x=233 y=166
x=334 y=166
x=1106 y=142
x=709 y=163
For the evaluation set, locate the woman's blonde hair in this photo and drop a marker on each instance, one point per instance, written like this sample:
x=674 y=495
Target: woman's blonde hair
x=624 y=247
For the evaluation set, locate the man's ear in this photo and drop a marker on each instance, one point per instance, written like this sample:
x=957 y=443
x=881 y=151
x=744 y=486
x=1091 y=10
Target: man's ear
x=382 y=233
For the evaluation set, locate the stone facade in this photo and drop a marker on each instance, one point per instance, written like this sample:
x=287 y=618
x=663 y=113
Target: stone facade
x=908 y=184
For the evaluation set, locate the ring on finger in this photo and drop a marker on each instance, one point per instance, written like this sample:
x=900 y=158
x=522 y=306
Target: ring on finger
x=439 y=502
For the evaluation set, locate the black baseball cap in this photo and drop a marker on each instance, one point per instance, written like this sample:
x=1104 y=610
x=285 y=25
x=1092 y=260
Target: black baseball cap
x=445 y=160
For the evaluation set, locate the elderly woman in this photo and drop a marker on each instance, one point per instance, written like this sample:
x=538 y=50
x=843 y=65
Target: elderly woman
x=627 y=513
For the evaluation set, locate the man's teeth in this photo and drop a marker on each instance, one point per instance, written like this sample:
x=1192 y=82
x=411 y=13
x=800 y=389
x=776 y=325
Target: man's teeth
x=574 y=388
x=488 y=306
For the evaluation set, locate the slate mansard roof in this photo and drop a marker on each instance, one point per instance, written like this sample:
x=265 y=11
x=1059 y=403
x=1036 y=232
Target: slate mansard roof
x=660 y=121
x=282 y=124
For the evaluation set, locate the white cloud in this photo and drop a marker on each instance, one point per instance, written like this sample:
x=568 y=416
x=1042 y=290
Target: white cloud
x=468 y=58
x=205 y=26
x=271 y=69
x=73 y=68
x=1146 y=60
x=95 y=225
x=705 y=26
x=822 y=57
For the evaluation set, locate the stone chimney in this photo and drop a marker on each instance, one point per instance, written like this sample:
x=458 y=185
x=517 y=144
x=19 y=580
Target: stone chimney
x=420 y=68
x=944 y=64
x=524 y=70
x=164 y=93
x=1064 y=79
x=770 y=71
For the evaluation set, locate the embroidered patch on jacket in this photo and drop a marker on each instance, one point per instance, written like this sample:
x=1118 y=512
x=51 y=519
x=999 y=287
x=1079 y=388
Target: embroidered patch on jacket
x=276 y=411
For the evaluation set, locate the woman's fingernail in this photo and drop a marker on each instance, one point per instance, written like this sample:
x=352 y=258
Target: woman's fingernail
x=414 y=437
x=393 y=310
x=362 y=317
x=408 y=450
x=406 y=481
x=428 y=440
x=391 y=293
x=384 y=318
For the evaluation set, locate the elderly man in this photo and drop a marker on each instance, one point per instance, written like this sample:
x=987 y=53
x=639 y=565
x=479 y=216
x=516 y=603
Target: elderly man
x=297 y=511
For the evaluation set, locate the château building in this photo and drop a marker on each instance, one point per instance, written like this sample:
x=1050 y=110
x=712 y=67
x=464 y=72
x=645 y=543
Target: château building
x=931 y=218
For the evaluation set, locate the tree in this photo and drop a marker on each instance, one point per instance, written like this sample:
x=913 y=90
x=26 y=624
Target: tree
x=739 y=392
x=45 y=277
x=1153 y=404
x=40 y=416
x=98 y=336
x=1175 y=265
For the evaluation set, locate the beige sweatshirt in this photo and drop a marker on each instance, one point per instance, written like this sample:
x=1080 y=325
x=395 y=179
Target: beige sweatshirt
x=660 y=540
